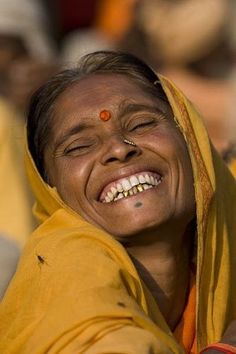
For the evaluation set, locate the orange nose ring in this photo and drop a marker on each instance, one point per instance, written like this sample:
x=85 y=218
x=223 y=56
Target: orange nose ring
x=105 y=115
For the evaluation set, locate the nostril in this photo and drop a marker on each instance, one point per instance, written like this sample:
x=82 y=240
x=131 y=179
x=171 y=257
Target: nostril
x=111 y=159
x=131 y=153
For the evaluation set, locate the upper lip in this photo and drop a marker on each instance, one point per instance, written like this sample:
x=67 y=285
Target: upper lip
x=124 y=173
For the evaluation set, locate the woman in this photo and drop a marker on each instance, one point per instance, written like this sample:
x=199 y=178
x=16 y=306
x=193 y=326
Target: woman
x=136 y=243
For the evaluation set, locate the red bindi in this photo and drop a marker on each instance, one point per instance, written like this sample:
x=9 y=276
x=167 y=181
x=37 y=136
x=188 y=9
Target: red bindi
x=105 y=115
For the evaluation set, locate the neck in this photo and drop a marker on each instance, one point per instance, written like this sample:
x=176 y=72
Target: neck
x=163 y=264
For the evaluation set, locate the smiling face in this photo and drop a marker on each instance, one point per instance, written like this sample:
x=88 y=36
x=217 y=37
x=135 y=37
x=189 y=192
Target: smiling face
x=122 y=188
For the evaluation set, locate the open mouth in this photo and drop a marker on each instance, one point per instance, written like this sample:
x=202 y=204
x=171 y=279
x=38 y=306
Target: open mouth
x=129 y=186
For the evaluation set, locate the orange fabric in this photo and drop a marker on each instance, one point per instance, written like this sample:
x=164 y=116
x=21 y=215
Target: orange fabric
x=222 y=347
x=115 y=17
x=186 y=328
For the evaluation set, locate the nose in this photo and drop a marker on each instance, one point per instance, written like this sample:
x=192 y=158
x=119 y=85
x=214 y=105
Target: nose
x=117 y=150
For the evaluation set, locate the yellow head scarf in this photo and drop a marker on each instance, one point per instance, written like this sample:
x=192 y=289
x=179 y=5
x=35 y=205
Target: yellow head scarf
x=77 y=291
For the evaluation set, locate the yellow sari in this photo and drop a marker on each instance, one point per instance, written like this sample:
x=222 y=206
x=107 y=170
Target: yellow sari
x=77 y=291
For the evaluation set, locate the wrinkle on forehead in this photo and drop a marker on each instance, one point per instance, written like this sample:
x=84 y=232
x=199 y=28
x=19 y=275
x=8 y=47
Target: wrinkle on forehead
x=128 y=106
x=103 y=82
x=85 y=99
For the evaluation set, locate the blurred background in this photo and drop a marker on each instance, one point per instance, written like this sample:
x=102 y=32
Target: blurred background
x=193 y=42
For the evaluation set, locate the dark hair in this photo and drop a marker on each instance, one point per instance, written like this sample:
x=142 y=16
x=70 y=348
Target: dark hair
x=42 y=102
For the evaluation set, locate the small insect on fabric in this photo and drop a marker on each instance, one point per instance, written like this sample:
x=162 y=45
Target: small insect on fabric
x=41 y=260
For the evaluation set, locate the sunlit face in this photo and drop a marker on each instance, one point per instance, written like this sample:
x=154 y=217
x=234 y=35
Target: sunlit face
x=121 y=188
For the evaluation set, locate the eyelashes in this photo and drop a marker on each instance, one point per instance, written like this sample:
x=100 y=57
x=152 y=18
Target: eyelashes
x=72 y=150
x=141 y=124
x=78 y=148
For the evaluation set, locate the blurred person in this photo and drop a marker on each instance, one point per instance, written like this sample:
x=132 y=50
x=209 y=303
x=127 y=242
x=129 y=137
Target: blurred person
x=81 y=42
x=27 y=53
x=70 y=15
x=25 y=62
x=109 y=20
x=73 y=28
x=114 y=17
x=193 y=47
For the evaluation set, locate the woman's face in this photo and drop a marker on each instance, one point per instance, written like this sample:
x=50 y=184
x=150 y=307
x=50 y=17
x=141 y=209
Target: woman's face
x=121 y=188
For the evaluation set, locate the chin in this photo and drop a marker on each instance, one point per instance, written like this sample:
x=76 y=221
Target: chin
x=136 y=227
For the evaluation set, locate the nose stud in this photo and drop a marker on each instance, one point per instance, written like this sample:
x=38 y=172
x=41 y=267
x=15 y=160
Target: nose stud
x=129 y=142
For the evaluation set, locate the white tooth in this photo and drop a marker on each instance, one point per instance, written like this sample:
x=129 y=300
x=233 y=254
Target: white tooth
x=152 y=180
x=156 y=181
x=141 y=179
x=119 y=187
x=134 y=181
x=131 y=192
x=145 y=186
x=126 y=185
x=107 y=199
x=120 y=196
x=110 y=195
x=134 y=189
x=126 y=193
x=147 y=179
x=113 y=191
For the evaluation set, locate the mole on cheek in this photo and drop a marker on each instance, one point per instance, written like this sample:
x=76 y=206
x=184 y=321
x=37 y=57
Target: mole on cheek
x=138 y=205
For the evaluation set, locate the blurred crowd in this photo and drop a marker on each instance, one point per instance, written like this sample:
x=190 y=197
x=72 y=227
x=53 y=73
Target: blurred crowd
x=193 y=42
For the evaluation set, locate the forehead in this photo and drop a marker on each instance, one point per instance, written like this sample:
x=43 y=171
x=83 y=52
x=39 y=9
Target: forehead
x=101 y=91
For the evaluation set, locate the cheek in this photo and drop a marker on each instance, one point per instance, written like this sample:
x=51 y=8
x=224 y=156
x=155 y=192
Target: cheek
x=70 y=180
x=170 y=146
x=168 y=143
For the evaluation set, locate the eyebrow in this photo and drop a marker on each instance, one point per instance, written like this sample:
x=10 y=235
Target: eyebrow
x=126 y=108
x=78 y=128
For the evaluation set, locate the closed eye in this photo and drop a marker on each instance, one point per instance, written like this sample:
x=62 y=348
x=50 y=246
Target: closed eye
x=142 y=124
x=77 y=149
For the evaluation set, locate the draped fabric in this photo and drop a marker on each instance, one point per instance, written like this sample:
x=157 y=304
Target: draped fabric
x=77 y=291
x=16 y=222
